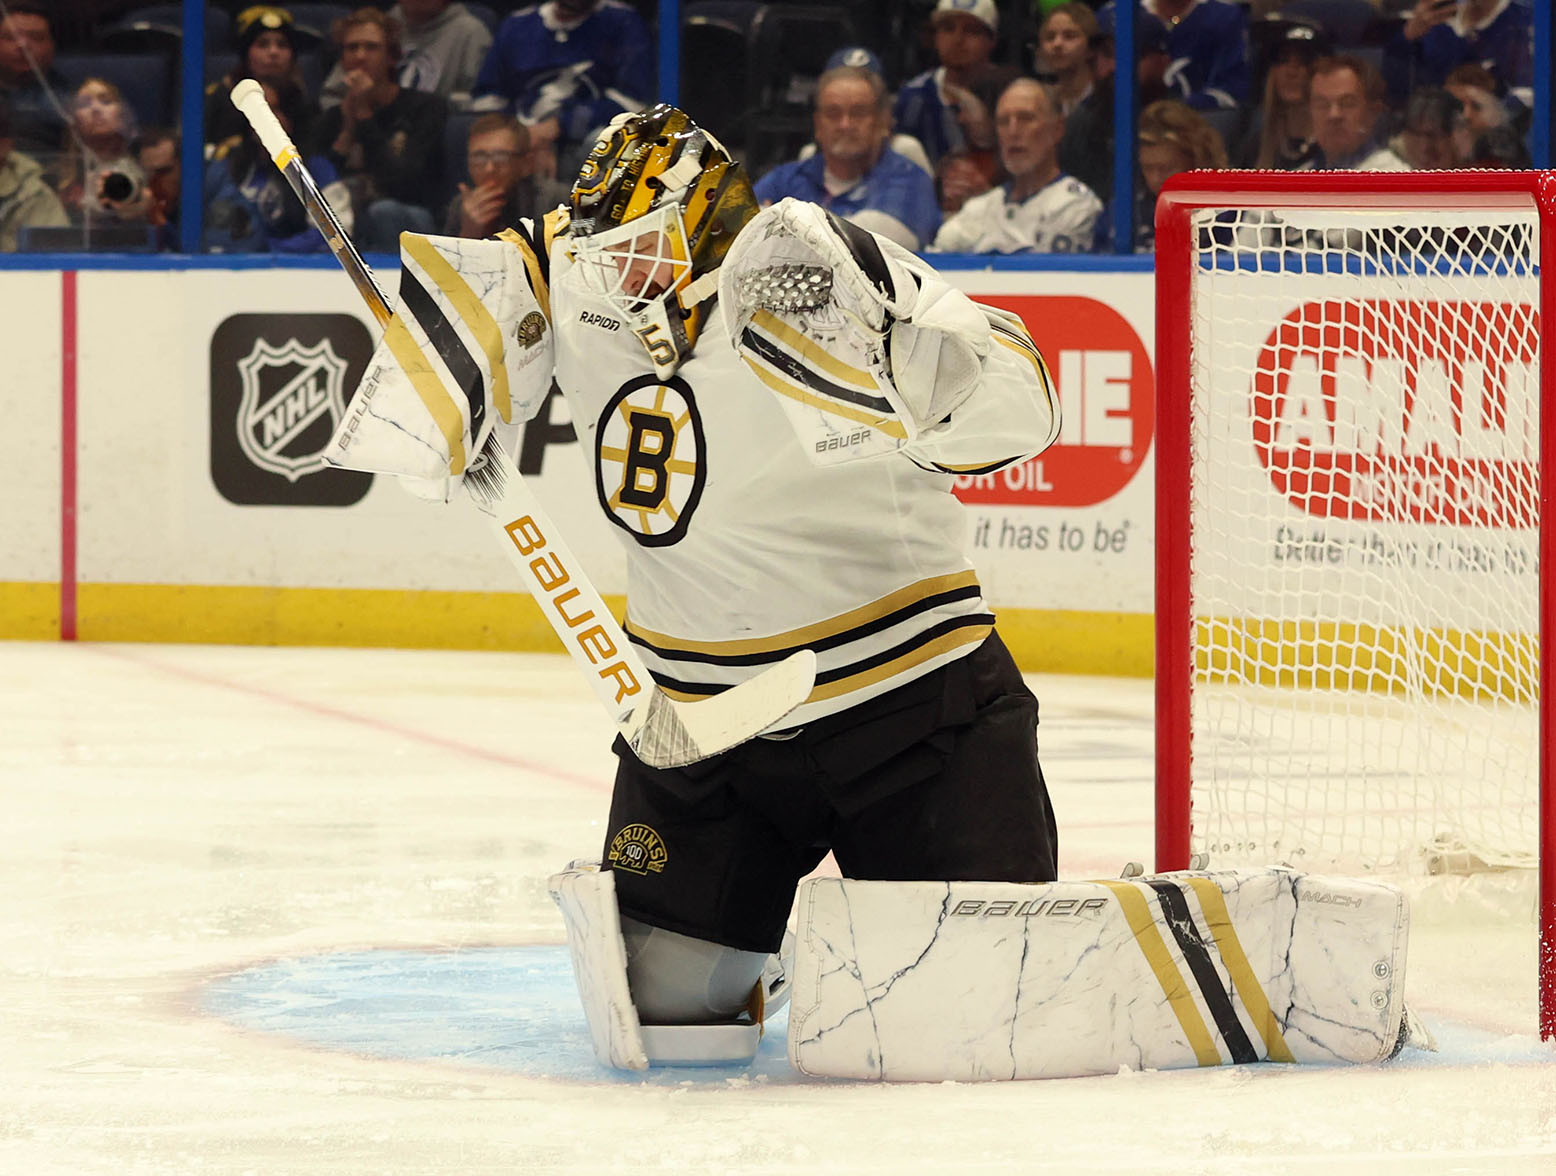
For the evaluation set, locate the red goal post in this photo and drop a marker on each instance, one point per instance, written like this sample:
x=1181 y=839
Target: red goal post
x=1354 y=544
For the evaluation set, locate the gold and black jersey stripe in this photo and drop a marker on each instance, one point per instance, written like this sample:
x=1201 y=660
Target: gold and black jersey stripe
x=849 y=659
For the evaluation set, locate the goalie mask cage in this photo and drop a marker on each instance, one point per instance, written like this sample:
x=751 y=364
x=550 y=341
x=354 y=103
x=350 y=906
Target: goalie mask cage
x=1353 y=537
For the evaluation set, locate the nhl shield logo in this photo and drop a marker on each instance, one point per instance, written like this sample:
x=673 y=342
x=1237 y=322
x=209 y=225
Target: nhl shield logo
x=293 y=396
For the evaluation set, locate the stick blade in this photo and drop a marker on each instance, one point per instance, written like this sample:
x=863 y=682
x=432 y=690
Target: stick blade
x=668 y=734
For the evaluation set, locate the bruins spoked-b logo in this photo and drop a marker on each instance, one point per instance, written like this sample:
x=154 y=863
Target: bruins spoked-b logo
x=279 y=387
x=650 y=459
x=638 y=850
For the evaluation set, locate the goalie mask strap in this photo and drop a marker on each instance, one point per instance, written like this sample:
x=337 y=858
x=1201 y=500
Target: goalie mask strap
x=700 y=289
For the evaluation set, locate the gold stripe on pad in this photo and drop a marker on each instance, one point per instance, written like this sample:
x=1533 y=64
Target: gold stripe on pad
x=477 y=319
x=812 y=352
x=429 y=387
x=1213 y=903
x=1138 y=914
x=808 y=634
x=832 y=407
x=537 y=279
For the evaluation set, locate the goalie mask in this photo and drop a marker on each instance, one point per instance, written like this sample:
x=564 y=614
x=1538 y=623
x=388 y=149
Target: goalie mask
x=654 y=210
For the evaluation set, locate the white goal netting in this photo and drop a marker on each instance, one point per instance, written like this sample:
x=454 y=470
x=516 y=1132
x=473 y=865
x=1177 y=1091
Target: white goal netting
x=1364 y=495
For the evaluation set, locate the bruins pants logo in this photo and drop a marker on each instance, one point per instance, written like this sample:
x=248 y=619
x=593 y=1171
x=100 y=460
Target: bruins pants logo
x=638 y=850
x=649 y=461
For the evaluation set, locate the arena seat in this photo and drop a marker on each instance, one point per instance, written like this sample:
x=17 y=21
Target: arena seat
x=1351 y=23
x=771 y=56
x=218 y=23
x=317 y=19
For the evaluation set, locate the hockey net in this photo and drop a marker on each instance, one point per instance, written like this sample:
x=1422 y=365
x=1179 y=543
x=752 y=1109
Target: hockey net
x=1350 y=525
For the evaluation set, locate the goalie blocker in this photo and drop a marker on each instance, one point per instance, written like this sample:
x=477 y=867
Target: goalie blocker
x=967 y=981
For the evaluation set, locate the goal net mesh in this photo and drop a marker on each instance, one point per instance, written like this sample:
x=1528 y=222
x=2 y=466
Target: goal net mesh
x=1364 y=495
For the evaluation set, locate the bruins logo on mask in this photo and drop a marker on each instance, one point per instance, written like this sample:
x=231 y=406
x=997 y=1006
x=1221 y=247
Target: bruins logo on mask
x=649 y=459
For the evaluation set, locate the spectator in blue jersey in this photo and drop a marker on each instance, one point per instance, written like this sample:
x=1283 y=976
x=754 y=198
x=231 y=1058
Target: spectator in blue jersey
x=281 y=223
x=565 y=68
x=1207 y=41
x=951 y=108
x=1440 y=35
x=230 y=223
x=854 y=173
x=866 y=58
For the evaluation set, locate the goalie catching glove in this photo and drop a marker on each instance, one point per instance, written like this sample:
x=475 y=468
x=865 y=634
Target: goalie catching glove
x=866 y=347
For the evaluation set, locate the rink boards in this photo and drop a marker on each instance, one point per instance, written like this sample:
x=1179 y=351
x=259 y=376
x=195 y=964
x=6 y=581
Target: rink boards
x=163 y=483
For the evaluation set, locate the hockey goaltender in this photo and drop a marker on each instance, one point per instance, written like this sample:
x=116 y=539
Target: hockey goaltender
x=774 y=404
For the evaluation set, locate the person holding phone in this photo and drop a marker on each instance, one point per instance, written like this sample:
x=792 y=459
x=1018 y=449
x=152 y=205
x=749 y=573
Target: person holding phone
x=1438 y=36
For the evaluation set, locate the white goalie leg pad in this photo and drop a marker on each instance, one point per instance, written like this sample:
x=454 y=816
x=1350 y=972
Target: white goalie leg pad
x=586 y=896
x=965 y=981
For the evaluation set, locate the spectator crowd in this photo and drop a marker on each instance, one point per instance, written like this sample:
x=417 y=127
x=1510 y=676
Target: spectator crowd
x=989 y=131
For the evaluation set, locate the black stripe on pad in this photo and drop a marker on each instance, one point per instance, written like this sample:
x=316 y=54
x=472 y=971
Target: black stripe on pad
x=1197 y=956
x=450 y=347
x=866 y=252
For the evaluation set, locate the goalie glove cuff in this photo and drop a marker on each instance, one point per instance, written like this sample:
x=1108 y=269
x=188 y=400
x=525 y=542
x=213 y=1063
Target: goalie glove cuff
x=937 y=351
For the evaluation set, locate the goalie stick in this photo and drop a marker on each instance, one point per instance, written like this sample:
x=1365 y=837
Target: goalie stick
x=662 y=732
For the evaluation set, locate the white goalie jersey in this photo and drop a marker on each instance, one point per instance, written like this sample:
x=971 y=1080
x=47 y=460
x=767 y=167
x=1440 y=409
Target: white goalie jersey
x=742 y=546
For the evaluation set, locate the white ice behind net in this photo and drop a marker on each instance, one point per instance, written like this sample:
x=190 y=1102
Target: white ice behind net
x=1364 y=545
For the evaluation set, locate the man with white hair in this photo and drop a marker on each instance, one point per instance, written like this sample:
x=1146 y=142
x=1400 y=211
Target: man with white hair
x=1038 y=209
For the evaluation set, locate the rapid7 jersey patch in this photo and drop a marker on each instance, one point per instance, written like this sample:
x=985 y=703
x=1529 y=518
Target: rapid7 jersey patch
x=650 y=459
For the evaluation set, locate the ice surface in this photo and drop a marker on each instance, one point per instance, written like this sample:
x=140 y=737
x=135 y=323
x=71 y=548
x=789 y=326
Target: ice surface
x=283 y=911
